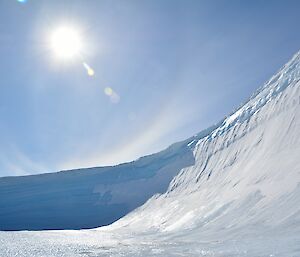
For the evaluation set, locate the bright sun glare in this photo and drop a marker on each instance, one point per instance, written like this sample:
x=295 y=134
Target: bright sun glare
x=66 y=42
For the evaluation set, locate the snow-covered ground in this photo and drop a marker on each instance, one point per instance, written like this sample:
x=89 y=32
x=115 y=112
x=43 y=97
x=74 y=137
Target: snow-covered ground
x=240 y=198
x=121 y=243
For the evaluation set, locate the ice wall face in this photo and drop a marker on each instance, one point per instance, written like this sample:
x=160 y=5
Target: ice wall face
x=246 y=175
x=87 y=198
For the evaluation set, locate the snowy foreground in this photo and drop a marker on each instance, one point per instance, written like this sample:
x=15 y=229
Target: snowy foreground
x=241 y=197
x=96 y=243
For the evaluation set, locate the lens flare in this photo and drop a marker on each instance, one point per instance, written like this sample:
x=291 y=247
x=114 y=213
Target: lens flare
x=89 y=70
x=108 y=91
x=114 y=97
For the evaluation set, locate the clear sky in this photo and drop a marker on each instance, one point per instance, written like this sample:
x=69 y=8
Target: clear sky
x=177 y=66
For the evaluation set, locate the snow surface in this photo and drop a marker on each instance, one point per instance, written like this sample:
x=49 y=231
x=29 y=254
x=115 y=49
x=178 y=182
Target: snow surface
x=240 y=198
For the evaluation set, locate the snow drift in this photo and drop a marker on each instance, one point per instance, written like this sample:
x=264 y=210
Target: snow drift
x=246 y=171
x=245 y=182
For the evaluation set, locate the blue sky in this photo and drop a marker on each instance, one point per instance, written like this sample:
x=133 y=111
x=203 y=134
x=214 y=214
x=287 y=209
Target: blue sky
x=178 y=67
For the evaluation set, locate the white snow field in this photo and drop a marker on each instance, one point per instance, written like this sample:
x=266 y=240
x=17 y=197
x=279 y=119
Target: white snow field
x=240 y=198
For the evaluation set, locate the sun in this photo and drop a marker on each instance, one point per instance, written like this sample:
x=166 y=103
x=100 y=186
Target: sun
x=65 y=42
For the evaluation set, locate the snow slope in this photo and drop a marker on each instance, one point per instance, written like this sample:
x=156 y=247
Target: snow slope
x=247 y=171
x=241 y=197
